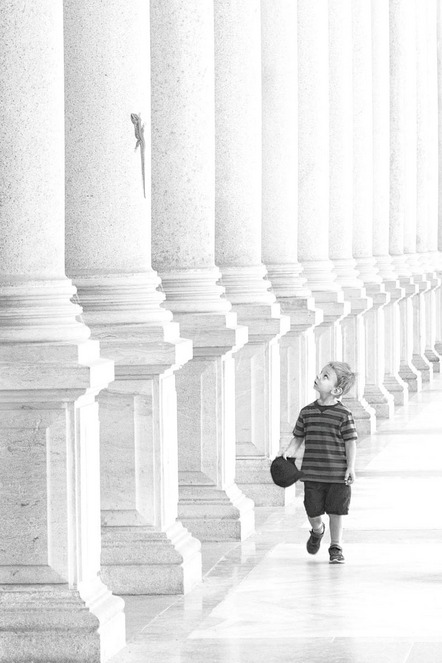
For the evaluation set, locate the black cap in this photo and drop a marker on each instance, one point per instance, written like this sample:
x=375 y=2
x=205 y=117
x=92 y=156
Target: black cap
x=284 y=471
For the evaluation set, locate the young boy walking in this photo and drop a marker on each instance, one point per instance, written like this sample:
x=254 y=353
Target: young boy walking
x=328 y=430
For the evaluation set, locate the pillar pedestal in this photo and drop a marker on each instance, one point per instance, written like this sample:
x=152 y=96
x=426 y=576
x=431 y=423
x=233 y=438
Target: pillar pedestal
x=257 y=381
x=407 y=370
x=53 y=603
x=432 y=296
x=375 y=391
x=419 y=360
x=392 y=381
x=144 y=551
x=210 y=502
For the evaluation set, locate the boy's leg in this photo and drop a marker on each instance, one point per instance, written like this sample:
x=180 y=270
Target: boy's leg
x=316 y=534
x=336 y=529
x=317 y=524
x=314 y=499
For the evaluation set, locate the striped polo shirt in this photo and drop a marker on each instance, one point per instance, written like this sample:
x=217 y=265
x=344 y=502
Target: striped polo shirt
x=325 y=428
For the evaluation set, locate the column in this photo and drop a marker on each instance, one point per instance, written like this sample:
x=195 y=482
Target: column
x=344 y=98
x=403 y=171
x=313 y=177
x=438 y=231
x=363 y=26
x=384 y=387
x=280 y=209
x=427 y=178
x=54 y=604
x=238 y=204
x=183 y=242
x=416 y=238
x=145 y=549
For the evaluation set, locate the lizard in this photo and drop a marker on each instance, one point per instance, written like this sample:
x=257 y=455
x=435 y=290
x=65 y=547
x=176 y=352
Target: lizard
x=139 y=135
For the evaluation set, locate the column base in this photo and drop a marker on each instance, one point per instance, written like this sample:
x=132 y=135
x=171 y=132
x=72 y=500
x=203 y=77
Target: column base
x=213 y=514
x=141 y=560
x=254 y=478
x=398 y=388
x=363 y=414
x=433 y=356
x=411 y=376
x=424 y=367
x=302 y=313
x=380 y=400
x=43 y=623
x=332 y=305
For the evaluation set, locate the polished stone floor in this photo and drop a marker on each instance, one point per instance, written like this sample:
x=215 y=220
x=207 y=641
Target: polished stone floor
x=266 y=600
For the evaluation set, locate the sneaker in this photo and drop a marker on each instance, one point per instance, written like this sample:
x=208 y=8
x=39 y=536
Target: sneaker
x=314 y=541
x=336 y=556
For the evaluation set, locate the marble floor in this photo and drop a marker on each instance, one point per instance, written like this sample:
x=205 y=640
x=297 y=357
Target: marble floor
x=266 y=600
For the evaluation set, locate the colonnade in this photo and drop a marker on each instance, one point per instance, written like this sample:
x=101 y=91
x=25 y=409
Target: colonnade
x=201 y=204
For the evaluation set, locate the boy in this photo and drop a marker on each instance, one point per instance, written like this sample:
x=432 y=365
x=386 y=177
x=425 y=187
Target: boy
x=329 y=432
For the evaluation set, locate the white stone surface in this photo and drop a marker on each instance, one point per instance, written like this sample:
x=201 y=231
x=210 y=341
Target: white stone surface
x=340 y=127
x=238 y=128
x=183 y=141
x=402 y=80
x=27 y=129
x=313 y=128
x=279 y=133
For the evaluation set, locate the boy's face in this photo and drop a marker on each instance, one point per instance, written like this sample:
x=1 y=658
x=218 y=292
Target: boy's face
x=326 y=381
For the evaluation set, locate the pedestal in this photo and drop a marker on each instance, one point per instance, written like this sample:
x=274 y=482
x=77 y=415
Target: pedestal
x=54 y=606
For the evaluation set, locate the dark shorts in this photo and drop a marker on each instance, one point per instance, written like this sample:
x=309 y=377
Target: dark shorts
x=331 y=498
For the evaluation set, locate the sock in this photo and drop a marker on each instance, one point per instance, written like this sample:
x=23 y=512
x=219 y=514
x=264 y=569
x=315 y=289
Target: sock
x=319 y=531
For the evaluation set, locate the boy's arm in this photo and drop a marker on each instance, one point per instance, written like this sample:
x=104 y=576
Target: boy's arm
x=293 y=447
x=350 y=451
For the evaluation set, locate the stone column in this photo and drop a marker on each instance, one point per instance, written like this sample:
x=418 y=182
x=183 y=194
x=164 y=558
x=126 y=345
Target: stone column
x=238 y=128
x=403 y=171
x=363 y=208
x=313 y=177
x=427 y=179
x=384 y=386
x=54 y=606
x=280 y=209
x=438 y=232
x=183 y=243
x=416 y=230
x=343 y=96
x=145 y=549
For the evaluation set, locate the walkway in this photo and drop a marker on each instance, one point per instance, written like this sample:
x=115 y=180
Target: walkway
x=268 y=601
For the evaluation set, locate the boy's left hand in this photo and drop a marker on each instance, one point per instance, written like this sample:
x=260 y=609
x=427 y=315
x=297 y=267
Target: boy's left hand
x=350 y=476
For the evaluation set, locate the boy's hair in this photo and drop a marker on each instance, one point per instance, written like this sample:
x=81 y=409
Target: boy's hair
x=346 y=377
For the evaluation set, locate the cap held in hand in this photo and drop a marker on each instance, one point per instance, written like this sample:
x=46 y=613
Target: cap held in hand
x=284 y=471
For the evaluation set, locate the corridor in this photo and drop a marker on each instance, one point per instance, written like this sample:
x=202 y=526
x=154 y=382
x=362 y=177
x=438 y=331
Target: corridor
x=267 y=600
